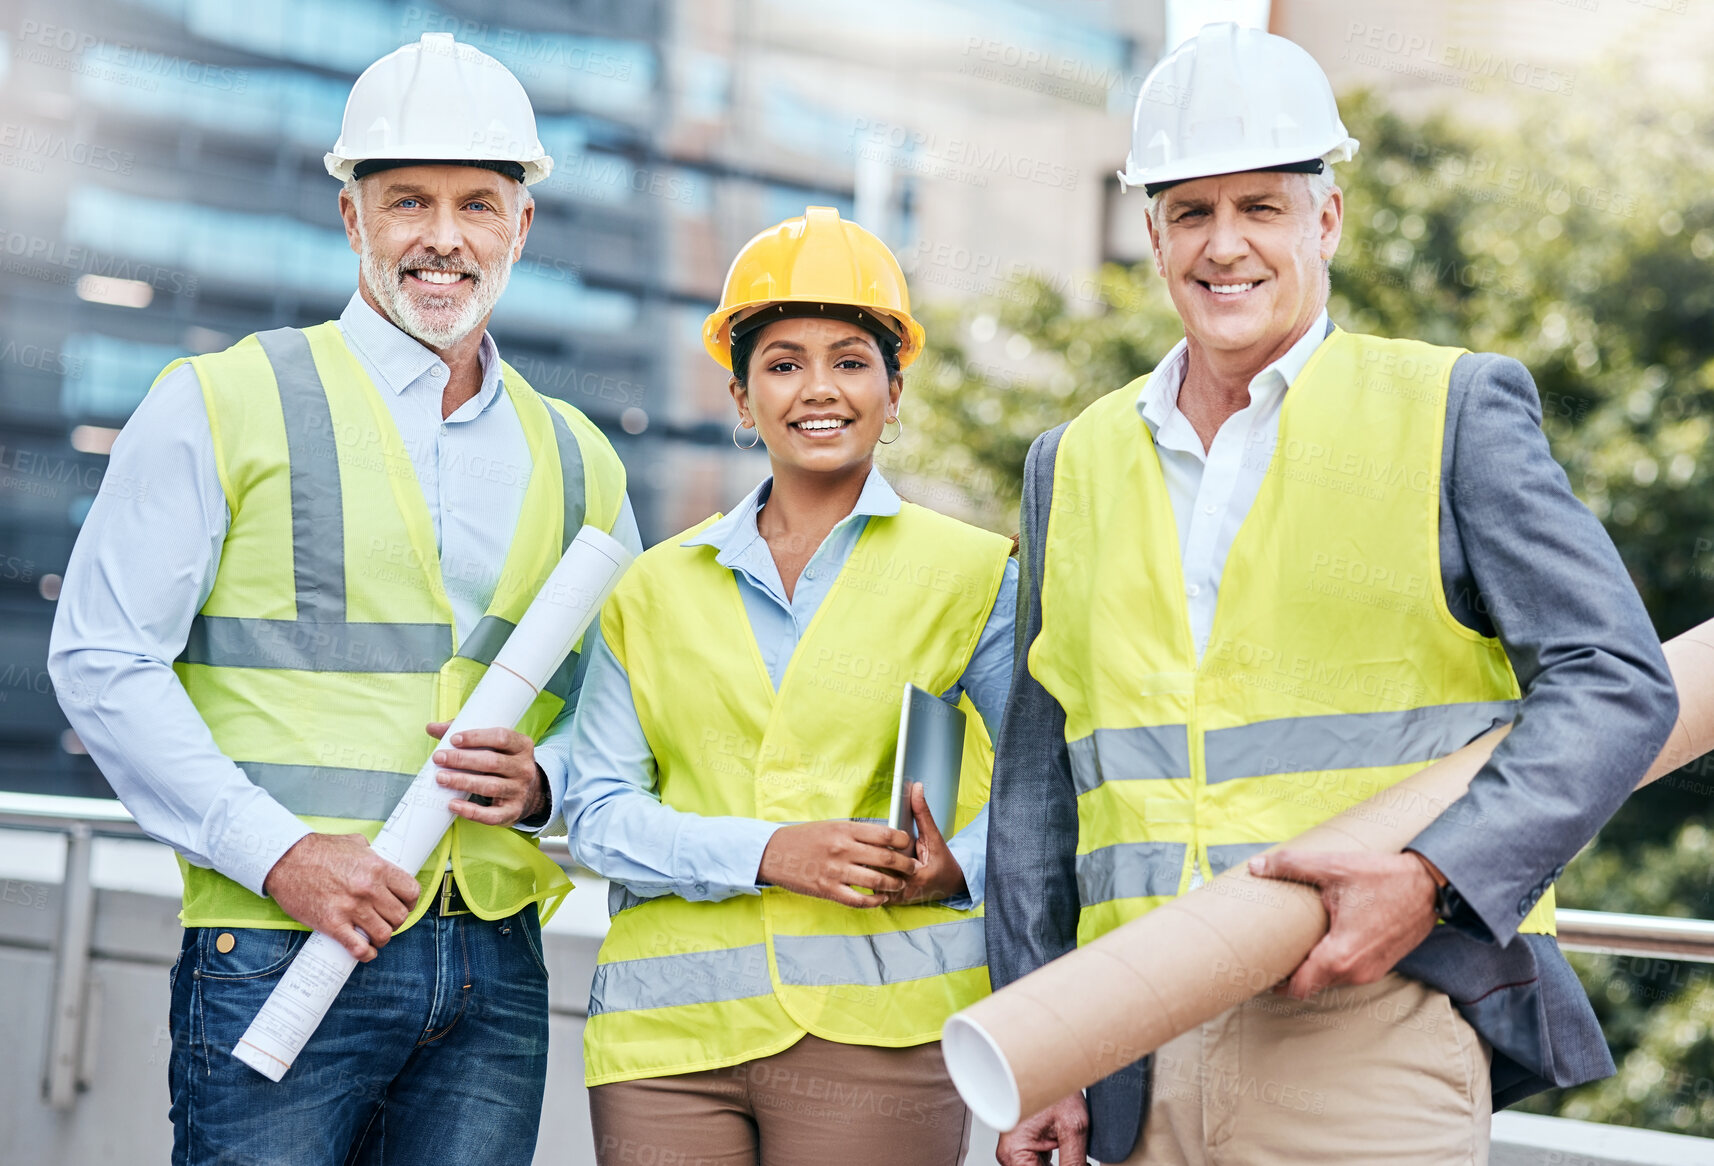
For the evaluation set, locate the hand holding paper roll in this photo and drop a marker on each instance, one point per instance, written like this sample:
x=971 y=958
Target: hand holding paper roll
x=562 y=611
x=1105 y=1005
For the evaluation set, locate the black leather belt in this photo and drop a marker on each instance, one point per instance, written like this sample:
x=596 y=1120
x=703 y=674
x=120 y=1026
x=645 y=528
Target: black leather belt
x=449 y=901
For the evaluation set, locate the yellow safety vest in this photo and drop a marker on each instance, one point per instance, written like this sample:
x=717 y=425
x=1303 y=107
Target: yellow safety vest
x=1333 y=669
x=327 y=642
x=682 y=986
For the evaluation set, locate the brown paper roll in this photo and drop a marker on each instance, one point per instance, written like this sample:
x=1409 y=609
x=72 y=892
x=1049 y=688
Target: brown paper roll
x=1097 y=1009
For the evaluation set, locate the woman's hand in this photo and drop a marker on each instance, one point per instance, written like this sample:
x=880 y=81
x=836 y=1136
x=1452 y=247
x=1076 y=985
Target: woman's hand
x=829 y=859
x=938 y=875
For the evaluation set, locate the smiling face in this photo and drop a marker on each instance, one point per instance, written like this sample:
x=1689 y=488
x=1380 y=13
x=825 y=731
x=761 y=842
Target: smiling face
x=819 y=392
x=438 y=244
x=1245 y=259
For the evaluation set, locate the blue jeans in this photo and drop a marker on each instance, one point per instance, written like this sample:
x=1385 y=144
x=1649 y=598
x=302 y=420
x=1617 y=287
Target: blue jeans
x=436 y=1051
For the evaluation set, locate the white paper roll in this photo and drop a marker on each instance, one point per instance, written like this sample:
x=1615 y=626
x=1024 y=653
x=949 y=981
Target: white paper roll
x=568 y=602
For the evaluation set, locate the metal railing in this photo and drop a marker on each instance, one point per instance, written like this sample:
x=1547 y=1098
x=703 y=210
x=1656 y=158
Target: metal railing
x=82 y=820
x=1609 y=933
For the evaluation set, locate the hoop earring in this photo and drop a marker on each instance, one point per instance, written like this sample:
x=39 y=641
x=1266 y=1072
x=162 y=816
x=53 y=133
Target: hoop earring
x=752 y=444
x=900 y=433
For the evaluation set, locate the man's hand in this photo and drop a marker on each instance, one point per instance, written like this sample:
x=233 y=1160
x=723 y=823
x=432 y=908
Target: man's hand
x=337 y=885
x=829 y=859
x=938 y=875
x=1380 y=907
x=1062 y=1126
x=498 y=764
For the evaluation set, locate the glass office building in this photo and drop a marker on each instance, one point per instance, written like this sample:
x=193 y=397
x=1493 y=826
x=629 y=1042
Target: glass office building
x=162 y=194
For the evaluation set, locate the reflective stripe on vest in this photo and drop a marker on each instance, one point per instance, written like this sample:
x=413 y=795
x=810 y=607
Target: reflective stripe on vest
x=674 y=981
x=710 y=977
x=682 y=986
x=1285 y=745
x=327 y=791
x=1128 y=869
x=490 y=634
x=317 y=705
x=320 y=639
x=1333 y=668
x=888 y=957
x=307 y=645
x=1350 y=740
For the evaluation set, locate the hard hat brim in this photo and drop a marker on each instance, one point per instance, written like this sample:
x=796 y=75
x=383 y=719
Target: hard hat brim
x=717 y=328
x=341 y=166
x=1242 y=161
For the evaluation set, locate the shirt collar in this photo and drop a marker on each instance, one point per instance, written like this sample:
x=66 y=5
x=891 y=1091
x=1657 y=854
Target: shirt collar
x=401 y=359
x=732 y=534
x=1158 y=397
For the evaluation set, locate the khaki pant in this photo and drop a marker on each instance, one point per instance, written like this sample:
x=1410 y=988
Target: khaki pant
x=1387 y=1072
x=815 y=1104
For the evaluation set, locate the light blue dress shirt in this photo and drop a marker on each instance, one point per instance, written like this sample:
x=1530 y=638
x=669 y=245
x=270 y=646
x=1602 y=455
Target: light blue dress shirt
x=146 y=560
x=620 y=829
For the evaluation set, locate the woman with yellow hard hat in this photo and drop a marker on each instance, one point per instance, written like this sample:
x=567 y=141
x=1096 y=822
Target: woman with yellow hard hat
x=779 y=963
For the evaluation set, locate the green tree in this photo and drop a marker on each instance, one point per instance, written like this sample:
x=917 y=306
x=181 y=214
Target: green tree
x=1577 y=236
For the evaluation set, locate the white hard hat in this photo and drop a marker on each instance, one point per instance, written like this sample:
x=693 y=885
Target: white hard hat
x=1229 y=100
x=439 y=101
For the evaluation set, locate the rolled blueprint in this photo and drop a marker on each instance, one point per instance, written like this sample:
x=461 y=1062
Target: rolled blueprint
x=554 y=622
x=1099 y=1008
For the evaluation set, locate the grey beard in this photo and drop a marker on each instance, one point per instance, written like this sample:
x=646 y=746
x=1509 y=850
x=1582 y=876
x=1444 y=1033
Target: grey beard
x=385 y=286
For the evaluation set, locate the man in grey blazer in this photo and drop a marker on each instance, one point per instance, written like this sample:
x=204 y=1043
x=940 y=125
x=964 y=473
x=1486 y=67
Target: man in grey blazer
x=1424 y=1006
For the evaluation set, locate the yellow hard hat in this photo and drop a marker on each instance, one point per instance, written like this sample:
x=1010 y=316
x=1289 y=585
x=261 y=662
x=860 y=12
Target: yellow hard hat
x=818 y=258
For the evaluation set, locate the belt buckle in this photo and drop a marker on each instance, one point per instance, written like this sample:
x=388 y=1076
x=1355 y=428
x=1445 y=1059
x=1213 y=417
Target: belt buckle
x=451 y=902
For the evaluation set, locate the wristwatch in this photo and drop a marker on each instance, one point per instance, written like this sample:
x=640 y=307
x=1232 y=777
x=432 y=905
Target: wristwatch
x=1447 y=902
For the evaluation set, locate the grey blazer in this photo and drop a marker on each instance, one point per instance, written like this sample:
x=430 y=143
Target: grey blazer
x=1520 y=557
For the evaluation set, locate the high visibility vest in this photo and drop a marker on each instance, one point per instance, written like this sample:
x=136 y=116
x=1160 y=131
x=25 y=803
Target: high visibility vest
x=328 y=641
x=682 y=986
x=1333 y=670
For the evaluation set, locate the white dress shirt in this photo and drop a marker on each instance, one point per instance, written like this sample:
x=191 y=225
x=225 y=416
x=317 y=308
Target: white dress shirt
x=146 y=560
x=1212 y=490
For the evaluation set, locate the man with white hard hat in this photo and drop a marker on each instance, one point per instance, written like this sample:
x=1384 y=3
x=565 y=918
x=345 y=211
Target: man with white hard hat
x=341 y=526
x=1278 y=574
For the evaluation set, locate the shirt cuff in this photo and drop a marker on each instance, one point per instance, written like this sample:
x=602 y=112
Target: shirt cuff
x=249 y=845
x=725 y=855
x=969 y=849
x=554 y=765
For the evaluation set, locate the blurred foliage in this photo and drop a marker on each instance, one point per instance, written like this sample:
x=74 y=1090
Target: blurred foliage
x=1578 y=237
x=1657 y=1014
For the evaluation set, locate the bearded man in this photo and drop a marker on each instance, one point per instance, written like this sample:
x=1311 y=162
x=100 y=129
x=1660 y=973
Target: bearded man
x=341 y=525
